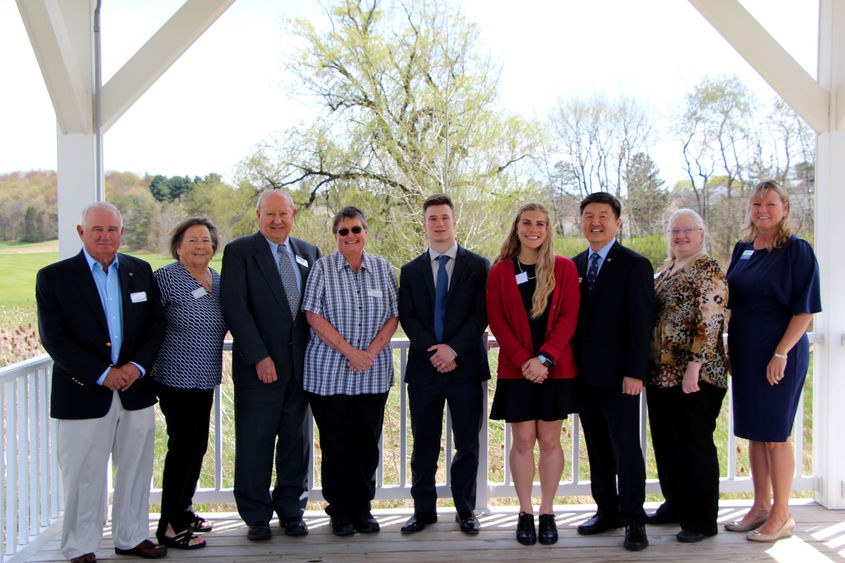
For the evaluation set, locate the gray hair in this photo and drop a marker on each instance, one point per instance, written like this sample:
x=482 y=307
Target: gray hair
x=348 y=212
x=265 y=193
x=699 y=222
x=102 y=205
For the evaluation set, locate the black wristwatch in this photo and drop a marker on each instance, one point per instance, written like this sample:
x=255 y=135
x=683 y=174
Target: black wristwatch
x=545 y=360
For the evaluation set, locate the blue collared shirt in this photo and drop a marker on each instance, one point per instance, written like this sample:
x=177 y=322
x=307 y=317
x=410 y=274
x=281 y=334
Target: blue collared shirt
x=108 y=287
x=602 y=252
x=274 y=250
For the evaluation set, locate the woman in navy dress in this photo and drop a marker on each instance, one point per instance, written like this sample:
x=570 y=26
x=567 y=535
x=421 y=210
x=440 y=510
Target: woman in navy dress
x=773 y=281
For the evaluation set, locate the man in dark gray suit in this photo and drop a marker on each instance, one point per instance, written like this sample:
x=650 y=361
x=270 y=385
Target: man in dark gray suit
x=443 y=312
x=262 y=281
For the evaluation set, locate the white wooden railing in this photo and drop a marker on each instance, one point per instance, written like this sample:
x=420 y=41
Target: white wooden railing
x=30 y=487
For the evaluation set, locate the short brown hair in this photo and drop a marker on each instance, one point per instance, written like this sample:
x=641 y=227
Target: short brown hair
x=178 y=233
x=438 y=199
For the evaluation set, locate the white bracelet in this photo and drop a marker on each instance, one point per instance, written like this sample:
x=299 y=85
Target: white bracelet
x=781 y=356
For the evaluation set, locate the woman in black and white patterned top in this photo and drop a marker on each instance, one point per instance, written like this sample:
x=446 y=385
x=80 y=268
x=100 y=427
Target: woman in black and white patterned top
x=188 y=367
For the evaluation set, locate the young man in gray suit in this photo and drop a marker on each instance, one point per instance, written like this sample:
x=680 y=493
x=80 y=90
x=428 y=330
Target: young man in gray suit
x=443 y=313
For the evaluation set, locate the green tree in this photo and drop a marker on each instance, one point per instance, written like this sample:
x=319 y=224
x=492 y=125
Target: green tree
x=408 y=108
x=647 y=196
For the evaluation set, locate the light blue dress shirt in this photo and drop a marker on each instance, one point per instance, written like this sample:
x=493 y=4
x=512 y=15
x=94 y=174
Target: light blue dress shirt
x=108 y=287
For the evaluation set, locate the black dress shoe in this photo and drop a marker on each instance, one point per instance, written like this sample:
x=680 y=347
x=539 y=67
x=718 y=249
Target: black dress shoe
x=259 y=532
x=468 y=522
x=294 y=527
x=691 y=536
x=418 y=522
x=662 y=516
x=341 y=526
x=368 y=525
x=548 y=529
x=525 y=532
x=635 y=537
x=600 y=523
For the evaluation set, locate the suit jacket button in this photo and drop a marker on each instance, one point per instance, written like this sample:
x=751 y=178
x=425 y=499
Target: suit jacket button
x=108 y=344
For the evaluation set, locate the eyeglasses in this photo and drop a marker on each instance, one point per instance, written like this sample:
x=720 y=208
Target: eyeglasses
x=685 y=230
x=355 y=230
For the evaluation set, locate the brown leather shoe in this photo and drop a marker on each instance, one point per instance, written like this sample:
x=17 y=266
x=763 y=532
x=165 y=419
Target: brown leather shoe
x=145 y=549
x=85 y=558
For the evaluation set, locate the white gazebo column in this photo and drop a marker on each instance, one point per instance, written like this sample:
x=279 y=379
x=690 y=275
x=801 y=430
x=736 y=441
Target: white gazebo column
x=829 y=357
x=62 y=37
x=77 y=180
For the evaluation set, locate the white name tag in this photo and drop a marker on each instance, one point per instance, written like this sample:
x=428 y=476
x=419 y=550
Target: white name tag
x=138 y=296
x=746 y=255
x=199 y=292
x=302 y=261
x=374 y=292
x=521 y=278
x=657 y=275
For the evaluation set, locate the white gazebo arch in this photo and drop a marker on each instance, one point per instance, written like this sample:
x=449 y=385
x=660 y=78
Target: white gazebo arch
x=64 y=36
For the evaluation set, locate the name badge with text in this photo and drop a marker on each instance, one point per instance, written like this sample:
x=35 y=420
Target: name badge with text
x=199 y=292
x=374 y=292
x=746 y=255
x=138 y=296
x=521 y=278
x=302 y=261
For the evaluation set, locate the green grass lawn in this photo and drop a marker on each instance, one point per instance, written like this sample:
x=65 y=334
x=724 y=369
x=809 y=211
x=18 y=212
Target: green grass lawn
x=21 y=262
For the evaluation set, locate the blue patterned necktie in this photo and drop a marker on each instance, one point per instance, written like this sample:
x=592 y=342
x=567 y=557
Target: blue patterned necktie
x=440 y=293
x=289 y=281
x=593 y=273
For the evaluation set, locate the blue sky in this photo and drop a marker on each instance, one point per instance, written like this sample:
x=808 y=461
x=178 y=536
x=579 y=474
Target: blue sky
x=229 y=91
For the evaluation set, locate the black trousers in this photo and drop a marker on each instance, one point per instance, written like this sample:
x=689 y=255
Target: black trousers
x=270 y=426
x=682 y=428
x=426 y=401
x=350 y=428
x=186 y=413
x=611 y=430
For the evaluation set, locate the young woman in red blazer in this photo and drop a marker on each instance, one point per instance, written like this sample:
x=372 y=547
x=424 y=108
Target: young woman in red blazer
x=532 y=307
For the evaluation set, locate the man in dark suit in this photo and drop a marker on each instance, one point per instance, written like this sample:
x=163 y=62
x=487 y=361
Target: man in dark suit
x=263 y=278
x=443 y=313
x=611 y=348
x=100 y=319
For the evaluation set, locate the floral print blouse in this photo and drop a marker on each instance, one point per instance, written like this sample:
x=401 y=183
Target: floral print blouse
x=689 y=308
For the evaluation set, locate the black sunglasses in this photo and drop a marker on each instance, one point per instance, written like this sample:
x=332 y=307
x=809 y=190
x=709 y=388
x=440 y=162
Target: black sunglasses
x=356 y=229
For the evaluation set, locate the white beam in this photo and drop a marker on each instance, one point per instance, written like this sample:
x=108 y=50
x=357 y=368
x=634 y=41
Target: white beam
x=777 y=67
x=60 y=32
x=829 y=358
x=156 y=56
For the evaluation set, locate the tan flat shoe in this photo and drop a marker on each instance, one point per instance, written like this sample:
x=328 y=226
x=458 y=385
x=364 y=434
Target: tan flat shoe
x=738 y=526
x=784 y=532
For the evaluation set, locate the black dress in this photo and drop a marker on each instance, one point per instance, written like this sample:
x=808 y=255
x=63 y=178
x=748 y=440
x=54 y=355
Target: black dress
x=520 y=400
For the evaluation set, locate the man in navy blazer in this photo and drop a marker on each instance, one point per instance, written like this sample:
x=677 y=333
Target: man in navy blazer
x=100 y=319
x=449 y=367
x=261 y=285
x=611 y=346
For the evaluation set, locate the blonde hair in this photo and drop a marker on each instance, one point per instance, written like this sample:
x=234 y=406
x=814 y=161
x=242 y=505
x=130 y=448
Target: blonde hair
x=545 y=268
x=784 y=230
x=699 y=222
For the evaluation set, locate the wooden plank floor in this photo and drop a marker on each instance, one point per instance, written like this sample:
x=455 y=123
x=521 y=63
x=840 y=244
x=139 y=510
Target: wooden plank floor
x=820 y=536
